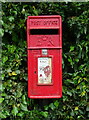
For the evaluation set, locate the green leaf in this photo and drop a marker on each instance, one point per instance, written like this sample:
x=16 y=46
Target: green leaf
x=46 y=107
x=1 y=100
x=76 y=108
x=3 y=94
x=85 y=30
x=2 y=115
x=1 y=32
x=20 y=114
x=11 y=18
x=14 y=111
x=72 y=113
x=11 y=48
x=24 y=99
x=1 y=87
x=19 y=93
x=9 y=70
x=17 y=71
x=4 y=59
x=7 y=113
x=45 y=114
x=1 y=22
x=70 y=60
x=87 y=108
x=56 y=103
x=77 y=60
x=69 y=93
x=71 y=48
x=52 y=106
x=24 y=107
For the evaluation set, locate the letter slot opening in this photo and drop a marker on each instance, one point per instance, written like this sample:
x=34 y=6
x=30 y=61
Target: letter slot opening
x=44 y=31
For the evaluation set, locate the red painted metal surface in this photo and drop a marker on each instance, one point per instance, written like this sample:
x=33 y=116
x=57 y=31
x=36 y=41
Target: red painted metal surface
x=44 y=42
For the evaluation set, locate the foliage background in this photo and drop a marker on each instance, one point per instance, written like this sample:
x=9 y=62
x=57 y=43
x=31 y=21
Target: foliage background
x=74 y=105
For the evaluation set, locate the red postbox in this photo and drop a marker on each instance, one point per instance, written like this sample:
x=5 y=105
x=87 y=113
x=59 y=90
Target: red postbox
x=44 y=44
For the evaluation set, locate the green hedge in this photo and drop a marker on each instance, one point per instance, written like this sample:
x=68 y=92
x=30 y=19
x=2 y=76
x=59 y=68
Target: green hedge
x=74 y=105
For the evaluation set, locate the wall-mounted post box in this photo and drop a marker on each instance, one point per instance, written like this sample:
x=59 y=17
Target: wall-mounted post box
x=44 y=40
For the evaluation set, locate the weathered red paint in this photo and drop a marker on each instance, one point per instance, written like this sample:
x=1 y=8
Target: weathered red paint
x=37 y=40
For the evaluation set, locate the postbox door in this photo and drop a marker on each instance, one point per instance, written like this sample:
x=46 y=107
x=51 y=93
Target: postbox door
x=44 y=82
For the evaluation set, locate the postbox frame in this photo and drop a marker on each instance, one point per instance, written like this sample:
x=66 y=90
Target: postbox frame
x=37 y=56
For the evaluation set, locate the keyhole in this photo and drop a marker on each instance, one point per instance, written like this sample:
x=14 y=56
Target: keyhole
x=35 y=72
